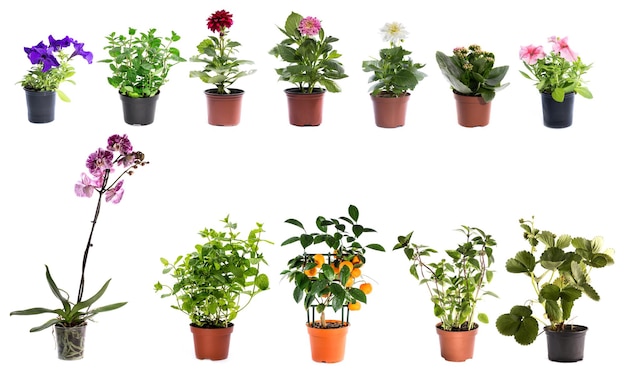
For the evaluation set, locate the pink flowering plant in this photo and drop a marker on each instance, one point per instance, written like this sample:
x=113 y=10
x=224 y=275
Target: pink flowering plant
x=558 y=72
x=309 y=54
x=221 y=67
x=51 y=64
x=99 y=180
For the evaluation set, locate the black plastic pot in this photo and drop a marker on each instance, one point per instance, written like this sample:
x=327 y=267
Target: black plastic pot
x=40 y=106
x=557 y=114
x=139 y=111
x=567 y=345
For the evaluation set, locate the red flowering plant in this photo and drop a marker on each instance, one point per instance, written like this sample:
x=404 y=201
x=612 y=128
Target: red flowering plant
x=217 y=53
x=51 y=65
x=311 y=58
x=558 y=72
x=101 y=164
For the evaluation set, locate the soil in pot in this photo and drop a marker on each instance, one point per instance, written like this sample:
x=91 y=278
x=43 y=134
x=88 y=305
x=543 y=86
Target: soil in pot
x=328 y=345
x=305 y=109
x=457 y=345
x=224 y=109
x=472 y=110
x=211 y=343
x=568 y=345
x=389 y=110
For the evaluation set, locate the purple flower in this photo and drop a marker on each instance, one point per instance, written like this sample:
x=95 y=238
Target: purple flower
x=117 y=143
x=58 y=45
x=114 y=194
x=310 y=26
x=42 y=54
x=85 y=187
x=99 y=161
x=78 y=50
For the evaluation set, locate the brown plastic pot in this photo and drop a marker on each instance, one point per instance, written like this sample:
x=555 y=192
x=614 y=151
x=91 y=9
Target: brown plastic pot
x=328 y=345
x=456 y=346
x=305 y=109
x=211 y=343
x=224 y=109
x=389 y=110
x=472 y=110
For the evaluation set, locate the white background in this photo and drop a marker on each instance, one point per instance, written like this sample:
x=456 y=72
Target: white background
x=430 y=176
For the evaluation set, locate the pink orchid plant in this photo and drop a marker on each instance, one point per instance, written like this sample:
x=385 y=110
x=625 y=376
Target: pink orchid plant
x=558 y=72
x=101 y=165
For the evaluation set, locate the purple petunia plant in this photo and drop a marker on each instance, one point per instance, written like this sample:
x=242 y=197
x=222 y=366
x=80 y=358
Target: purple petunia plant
x=51 y=64
x=100 y=180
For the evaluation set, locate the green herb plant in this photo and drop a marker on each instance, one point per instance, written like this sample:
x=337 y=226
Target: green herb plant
x=457 y=282
x=219 y=279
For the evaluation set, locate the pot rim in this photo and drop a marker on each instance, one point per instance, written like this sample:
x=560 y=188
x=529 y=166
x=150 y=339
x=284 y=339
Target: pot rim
x=296 y=90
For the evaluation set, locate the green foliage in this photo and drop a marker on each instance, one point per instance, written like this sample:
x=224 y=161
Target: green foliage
x=311 y=60
x=327 y=279
x=456 y=283
x=219 y=279
x=472 y=72
x=141 y=61
x=394 y=73
x=221 y=67
x=559 y=275
x=70 y=314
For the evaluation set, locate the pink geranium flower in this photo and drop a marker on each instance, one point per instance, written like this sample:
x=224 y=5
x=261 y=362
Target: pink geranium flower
x=309 y=26
x=530 y=54
x=560 y=46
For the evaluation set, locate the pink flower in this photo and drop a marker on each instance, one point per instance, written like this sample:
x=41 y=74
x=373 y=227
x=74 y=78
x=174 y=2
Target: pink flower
x=85 y=187
x=114 y=194
x=530 y=54
x=561 y=47
x=99 y=161
x=309 y=26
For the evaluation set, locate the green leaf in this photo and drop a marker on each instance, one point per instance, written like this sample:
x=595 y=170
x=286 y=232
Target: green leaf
x=295 y=223
x=353 y=211
x=483 y=318
x=262 y=282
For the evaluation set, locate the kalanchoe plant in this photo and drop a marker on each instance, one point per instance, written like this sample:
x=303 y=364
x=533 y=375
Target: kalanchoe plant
x=394 y=72
x=471 y=71
x=217 y=53
x=310 y=56
x=141 y=62
x=101 y=163
x=557 y=73
x=559 y=275
x=331 y=278
x=51 y=65
x=457 y=282
x=216 y=281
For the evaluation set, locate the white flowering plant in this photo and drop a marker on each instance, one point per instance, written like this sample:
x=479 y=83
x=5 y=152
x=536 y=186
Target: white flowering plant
x=394 y=72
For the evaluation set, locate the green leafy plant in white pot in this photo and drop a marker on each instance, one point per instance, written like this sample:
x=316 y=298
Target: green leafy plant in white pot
x=456 y=284
x=559 y=270
x=140 y=63
x=215 y=282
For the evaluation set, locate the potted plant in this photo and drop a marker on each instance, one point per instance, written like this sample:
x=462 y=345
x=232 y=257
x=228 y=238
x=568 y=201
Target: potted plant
x=71 y=318
x=214 y=283
x=559 y=269
x=140 y=63
x=312 y=66
x=558 y=77
x=50 y=67
x=474 y=81
x=332 y=279
x=221 y=69
x=394 y=75
x=456 y=284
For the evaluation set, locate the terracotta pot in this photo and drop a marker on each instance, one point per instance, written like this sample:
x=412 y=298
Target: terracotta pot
x=568 y=345
x=389 y=110
x=472 y=110
x=224 y=109
x=328 y=345
x=456 y=346
x=70 y=341
x=40 y=106
x=211 y=343
x=557 y=115
x=305 y=109
x=139 y=111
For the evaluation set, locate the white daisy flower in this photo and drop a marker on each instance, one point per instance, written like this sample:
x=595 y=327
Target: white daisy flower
x=394 y=32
